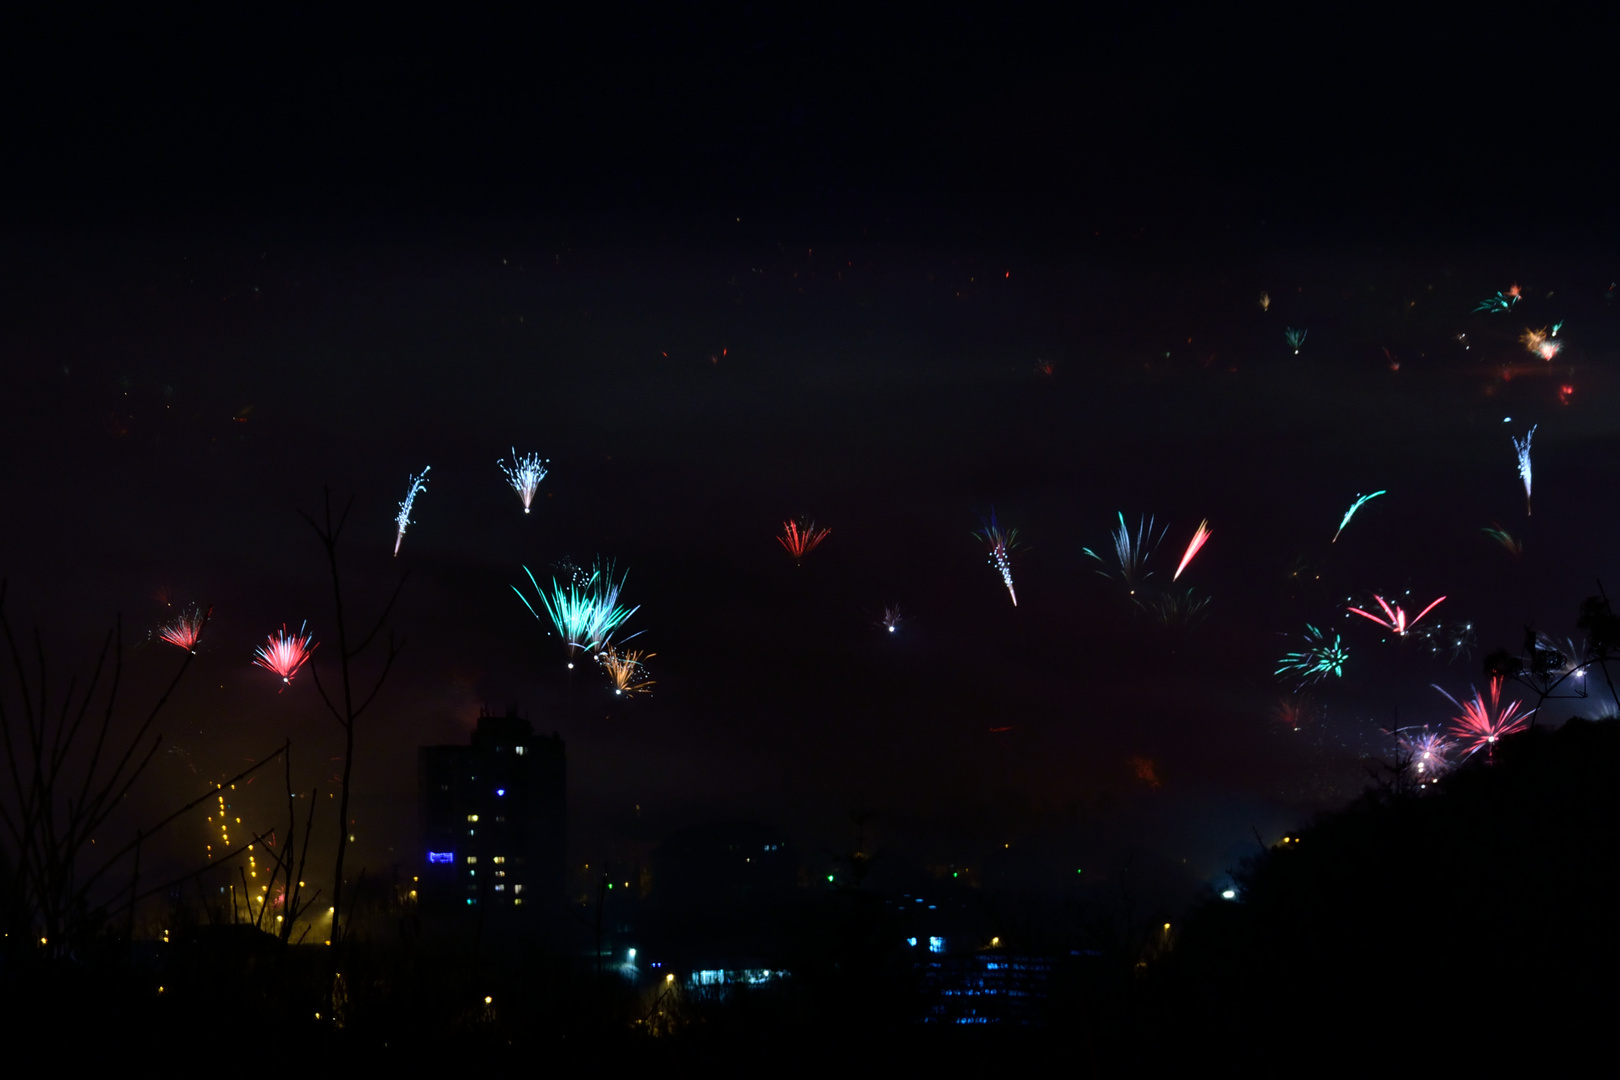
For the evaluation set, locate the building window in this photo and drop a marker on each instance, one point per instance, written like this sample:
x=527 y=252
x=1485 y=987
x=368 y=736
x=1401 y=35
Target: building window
x=518 y=750
x=499 y=859
x=471 y=859
x=441 y=856
x=517 y=888
x=500 y=888
x=936 y=944
x=500 y=873
x=472 y=817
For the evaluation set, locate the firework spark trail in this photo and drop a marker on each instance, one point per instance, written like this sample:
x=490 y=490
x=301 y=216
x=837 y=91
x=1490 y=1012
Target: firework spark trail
x=1503 y=537
x=186 y=628
x=1131 y=552
x=1541 y=343
x=586 y=612
x=891 y=618
x=1502 y=301
x=1428 y=752
x=403 y=521
x=800 y=538
x=625 y=670
x=1523 y=449
x=524 y=475
x=1200 y=537
x=569 y=610
x=1396 y=618
x=1319 y=659
x=1361 y=500
x=1295 y=338
x=606 y=614
x=1000 y=543
x=285 y=653
x=1480 y=727
x=1173 y=607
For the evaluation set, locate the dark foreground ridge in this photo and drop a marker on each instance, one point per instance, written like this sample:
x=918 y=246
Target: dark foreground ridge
x=1472 y=919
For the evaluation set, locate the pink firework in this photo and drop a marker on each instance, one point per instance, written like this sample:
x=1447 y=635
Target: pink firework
x=1395 y=619
x=1200 y=537
x=1480 y=726
x=285 y=653
x=186 y=629
x=801 y=538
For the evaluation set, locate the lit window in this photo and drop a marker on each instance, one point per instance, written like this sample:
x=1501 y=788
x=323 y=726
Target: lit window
x=519 y=901
x=440 y=857
x=471 y=859
x=936 y=944
x=500 y=888
x=500 y=792
x=500 y=873
x=518 y=750
x=499 y=859
x=517 y=888
x=472 y=817
x=912 y=942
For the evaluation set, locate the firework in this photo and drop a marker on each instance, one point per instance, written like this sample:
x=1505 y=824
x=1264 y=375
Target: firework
x=285 y=653
x=403 y=521
x=1427 y=753
x=1541 y=343
x=1523 y=450
x=585 y=612
x=1264 y=303
x=524 y=474
x=1294 y=712
x=1395 y=619
x=1502 y=301
x=1200 y=537
x=1319 y=659
x=625 y=670
x=186 y=628
x=1044 y=367
x=891 y=618
x=606 y=614
x=1131 y=552
x=1173 y=607
x=1000 y=543
x=1455 y=641
x=801 y=537
x=1479 y=726
x=1361 y=500
x=1503 y=537
x=1295 y=338
x=1557 y=326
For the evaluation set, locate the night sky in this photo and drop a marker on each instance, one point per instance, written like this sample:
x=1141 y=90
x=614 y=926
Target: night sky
x=725 y=272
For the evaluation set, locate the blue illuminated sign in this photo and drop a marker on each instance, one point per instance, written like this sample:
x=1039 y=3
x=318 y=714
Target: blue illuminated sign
x=441 y=856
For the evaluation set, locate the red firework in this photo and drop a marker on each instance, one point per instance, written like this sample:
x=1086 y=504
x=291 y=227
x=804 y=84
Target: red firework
x=1397 y=620
x=801 y=538
x=1479 y=726
x=186 y=629
x=1201 y=537
x=285 y=653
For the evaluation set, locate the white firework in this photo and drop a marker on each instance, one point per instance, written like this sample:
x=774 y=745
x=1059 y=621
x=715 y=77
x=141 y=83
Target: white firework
x=403 y=521
x=525 y=474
